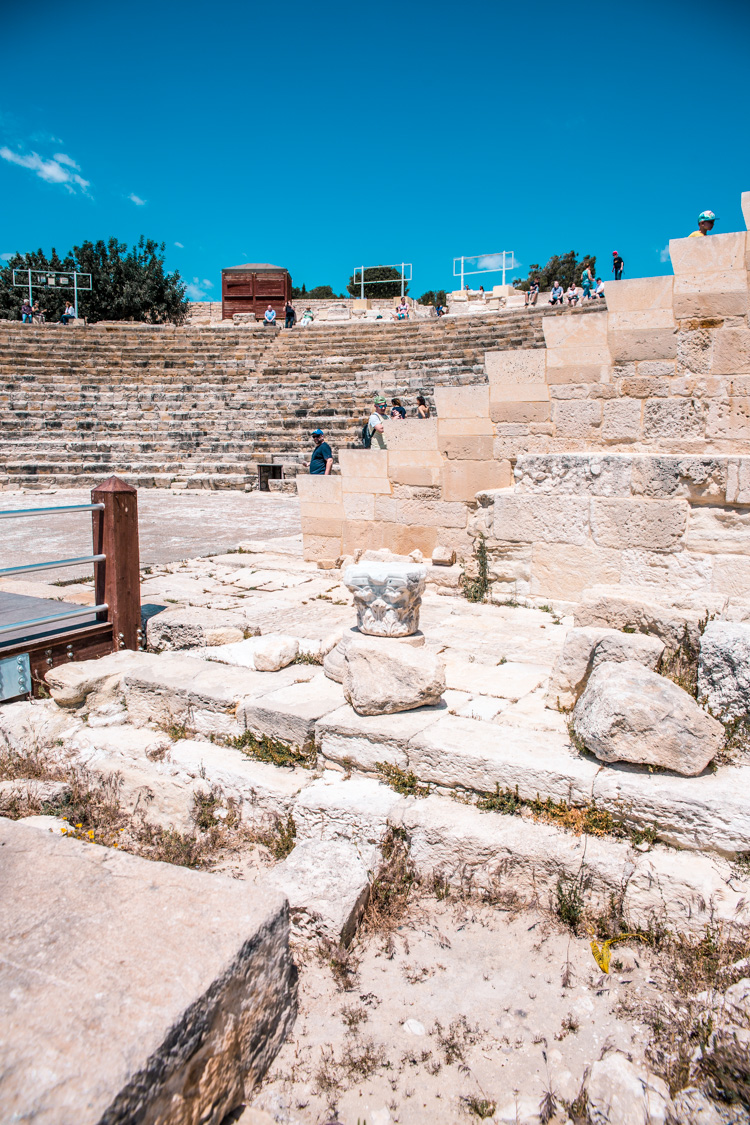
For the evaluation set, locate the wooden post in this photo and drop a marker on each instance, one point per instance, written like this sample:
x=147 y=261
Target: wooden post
x=117 y=578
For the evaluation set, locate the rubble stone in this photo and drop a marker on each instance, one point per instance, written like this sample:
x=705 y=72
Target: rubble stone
x=587 y=647
x=619 y=1093
x=328 y=885
x=724 y=669
x=630 y=714
x=383 y=676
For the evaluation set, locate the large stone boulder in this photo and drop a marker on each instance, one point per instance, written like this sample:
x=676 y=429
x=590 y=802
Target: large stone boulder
x=724 y=669
x=383 y=676
x=587 y=647
x=619 y=1093
x=133 y=990
x=630 y=714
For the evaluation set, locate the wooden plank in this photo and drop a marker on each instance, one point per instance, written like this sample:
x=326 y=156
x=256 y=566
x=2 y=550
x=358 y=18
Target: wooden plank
x=117 y=578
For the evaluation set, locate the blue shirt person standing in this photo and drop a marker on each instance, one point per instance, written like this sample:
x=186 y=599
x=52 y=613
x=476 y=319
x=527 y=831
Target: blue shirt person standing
x=321 y=461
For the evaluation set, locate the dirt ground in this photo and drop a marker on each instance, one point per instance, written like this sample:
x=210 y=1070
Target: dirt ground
x=465 y=1011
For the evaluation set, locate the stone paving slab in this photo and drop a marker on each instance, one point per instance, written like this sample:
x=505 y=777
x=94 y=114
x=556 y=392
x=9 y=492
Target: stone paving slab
x=132 y=990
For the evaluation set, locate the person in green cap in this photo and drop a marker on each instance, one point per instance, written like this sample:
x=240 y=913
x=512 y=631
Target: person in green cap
x=375 y=423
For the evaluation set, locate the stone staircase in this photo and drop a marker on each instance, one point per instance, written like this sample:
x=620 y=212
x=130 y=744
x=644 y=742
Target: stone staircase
x=205 y=405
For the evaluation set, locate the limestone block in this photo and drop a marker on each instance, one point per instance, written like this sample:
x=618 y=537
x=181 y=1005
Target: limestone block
x=666 y=419
x=462 y=402
x=720 y=530
x=468 y=448
x=643 y=343
x=576 y=419
x=363 y=462
x=665 y=573
x=585 y=649
x=382 y=676
x=518 y=392
x=443 y=556
x=261 y=791
x=356 y=809
x=71 y=684
x=549 y=519
x=659 y=525
x=520 y=412
x=576 y=331
x=624 y=606
x=274 y=651
x=409 y=434
x=464 y=427
x=700 y=479
x=402 y=538
x=730 y=575
x=586 y=474
x=359 y=506
x=559 y=570
x=711 y=293
x=321 y=526
x=637 y=294
x=628 y=713
x=319 y=489
x=181 y=1001
x=619 y=1093
x=512 y=680
x=729 y=421
x=417 y=469
x=738 y=480
x=621 y=420
x=517 y=365
x=319 y=547
x=366 y=740
x=378 y=486
x=724 y=669
x=290 y=713
x=187 y=627
x=313 y=509
x=437 y=513
x=712 y=253
x=731 y=352
x=461 y=480
x=327 y=885
x=387 y=597
x=579 y=365
x=35 y=723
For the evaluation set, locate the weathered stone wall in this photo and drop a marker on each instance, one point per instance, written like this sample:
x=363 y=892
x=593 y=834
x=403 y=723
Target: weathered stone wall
x=660 y=377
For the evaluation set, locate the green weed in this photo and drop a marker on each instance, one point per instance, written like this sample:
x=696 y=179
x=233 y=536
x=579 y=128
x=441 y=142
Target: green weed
x=264 y=748
x=402 y=781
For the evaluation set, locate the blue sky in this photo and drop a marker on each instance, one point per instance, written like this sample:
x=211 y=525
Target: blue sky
x=320 y=137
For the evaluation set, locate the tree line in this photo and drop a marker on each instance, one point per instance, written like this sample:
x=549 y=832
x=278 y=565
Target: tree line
x=126 y=284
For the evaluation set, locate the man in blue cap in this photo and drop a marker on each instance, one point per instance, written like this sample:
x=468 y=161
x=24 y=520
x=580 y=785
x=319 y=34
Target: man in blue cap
x=321 y=461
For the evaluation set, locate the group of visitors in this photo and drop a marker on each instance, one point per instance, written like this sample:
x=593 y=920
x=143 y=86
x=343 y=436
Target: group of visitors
x=373 y=431
x=290 y=316
x=32 y=314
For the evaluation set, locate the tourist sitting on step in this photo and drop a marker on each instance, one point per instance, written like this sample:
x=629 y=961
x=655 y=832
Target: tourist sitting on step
x=423 y=410
x=290 y=315
x=571 y=294
x=401 y=311
x=533 y=294
x=269 y=318
x=69 y=314
x=307 y=317
x=397 y=410
x=321 y=461
x=556 y=296
x=26 y=312
x=38 y=313
x=599 y=291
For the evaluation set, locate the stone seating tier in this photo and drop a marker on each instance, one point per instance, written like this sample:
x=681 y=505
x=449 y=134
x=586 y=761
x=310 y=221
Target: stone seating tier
x=207 y=404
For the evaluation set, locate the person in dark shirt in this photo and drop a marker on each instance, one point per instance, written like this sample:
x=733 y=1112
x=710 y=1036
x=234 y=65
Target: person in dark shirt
x=321 y=461
x=533 y=293
x=397 y=410
x=290 y=315
x=617 y=265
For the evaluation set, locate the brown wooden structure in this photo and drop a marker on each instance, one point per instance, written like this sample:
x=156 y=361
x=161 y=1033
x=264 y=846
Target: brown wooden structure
x=117 y=585
x=253 y=287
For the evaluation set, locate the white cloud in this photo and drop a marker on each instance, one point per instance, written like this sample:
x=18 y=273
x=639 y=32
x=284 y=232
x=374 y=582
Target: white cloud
x=196 y=289
x=664 y=254
x=137 y=200
x=56 y=170
x=179 y=246
x=208 y=284
x=6 y=257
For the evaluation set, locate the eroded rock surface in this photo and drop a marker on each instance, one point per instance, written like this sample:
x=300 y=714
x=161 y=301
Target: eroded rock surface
x=384 y=676
x=629 y=714
x=724 y=669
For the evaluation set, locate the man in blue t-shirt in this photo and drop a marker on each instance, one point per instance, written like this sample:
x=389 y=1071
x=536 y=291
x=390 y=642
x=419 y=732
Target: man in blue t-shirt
x=321 y=461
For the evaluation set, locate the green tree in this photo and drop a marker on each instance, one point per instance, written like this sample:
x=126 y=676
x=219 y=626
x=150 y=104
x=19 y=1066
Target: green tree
x=382 y=274
x=126 y=284
x=438 y=297
x=565 y=268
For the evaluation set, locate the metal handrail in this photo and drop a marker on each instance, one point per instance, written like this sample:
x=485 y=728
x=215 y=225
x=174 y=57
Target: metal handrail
x=50 y=565
x=47 y=511
x=68 y=615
